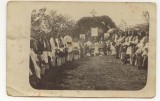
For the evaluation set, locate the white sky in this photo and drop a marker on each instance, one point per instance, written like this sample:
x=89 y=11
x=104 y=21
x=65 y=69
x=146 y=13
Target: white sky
x=131 y=13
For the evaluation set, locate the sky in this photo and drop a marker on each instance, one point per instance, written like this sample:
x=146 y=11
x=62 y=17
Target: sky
x=131 y=13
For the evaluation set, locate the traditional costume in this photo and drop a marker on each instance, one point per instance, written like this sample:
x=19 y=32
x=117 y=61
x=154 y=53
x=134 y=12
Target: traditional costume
x=113 y=48
x=76 y=47
x=35 y=69
x=59 y=51
x=96 y=49
x=120 y=42
x=130 y=51
x=88 y=48
x=69 y=46
x=53 y=51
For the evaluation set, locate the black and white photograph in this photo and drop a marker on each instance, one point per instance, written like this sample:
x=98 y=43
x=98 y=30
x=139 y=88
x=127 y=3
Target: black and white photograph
x=81 y=49
x=89 y=48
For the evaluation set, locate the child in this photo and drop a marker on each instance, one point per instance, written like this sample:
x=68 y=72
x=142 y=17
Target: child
x=101 y=52
x=113 y=49
x=96 y=51
x=108 y=45
x=123 y=53
x=88 y=53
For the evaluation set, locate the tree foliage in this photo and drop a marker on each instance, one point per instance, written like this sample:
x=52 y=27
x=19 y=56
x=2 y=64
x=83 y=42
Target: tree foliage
x=52 y=23
x=83 y=26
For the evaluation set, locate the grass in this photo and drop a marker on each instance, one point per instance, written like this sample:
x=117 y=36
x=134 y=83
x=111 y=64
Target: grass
x=95 y=73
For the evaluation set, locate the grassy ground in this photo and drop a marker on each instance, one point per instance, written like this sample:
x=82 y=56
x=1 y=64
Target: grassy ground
x=96 y=73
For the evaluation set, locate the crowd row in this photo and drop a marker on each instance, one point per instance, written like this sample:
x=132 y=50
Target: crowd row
x=48 y=51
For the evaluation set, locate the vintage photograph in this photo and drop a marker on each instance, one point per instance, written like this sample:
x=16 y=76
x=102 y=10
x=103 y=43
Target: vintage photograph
x=89 y=47
x=81 y=49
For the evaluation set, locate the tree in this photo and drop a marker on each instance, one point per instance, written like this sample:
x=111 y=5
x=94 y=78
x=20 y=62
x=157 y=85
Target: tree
x=83 y=26
x=52 y=23
x=146 y=16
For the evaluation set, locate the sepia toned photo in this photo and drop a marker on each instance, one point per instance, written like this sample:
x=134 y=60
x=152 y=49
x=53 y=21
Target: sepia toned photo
x=83 y=46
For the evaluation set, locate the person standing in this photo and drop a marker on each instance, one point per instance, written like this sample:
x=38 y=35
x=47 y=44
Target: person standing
x=133 y=40
x=121 y=40
x=53 y=50
x=76 y=48
x=34 y=67
x=46 y=51
x=69 y=45
x=60 y=51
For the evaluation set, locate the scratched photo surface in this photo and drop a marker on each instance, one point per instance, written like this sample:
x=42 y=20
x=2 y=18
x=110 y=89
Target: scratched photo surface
x=81 y=46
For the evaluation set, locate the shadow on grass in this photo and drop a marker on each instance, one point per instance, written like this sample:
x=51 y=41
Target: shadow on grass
x=55 y=77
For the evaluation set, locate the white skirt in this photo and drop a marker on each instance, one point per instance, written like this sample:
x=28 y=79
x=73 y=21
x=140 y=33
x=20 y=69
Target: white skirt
x=38 y=72
x=129 y=50
x=70 y=48
x=45 y=56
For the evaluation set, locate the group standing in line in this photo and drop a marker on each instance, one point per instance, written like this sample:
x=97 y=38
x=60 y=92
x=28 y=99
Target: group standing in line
x=49 y=51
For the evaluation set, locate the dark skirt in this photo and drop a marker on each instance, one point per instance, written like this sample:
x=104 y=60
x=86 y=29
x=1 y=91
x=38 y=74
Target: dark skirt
x=76 y=52
x=65 y=52
x=60 y=53
x=123 y=48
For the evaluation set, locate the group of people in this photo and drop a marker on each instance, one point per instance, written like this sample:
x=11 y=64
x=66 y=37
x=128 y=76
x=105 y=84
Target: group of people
x=49 y=51
x=130 y=46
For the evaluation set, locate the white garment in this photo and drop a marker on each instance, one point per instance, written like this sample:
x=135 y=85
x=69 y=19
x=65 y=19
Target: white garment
x=113 y=50
x=30 y=72
x=116 y=38
x=106 y=35
x=129 y=49
x=120 y=40
x=96 y=51
x=76 y=45
x=89 y=43
x=63 y=41
x=140 y=48
x=67 y=38
x=145 y=49
x=53 y=46
x=44 y=56
x=53 y=49
x=69 y=46
x=34 y=60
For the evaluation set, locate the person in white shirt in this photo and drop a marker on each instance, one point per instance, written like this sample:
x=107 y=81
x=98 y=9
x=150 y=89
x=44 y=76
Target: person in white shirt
x=132 y=41
x=69 y=45
x=88 y=47
x=96 y=49
x=60 y=51
x=113 y=49
x=142 y=52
